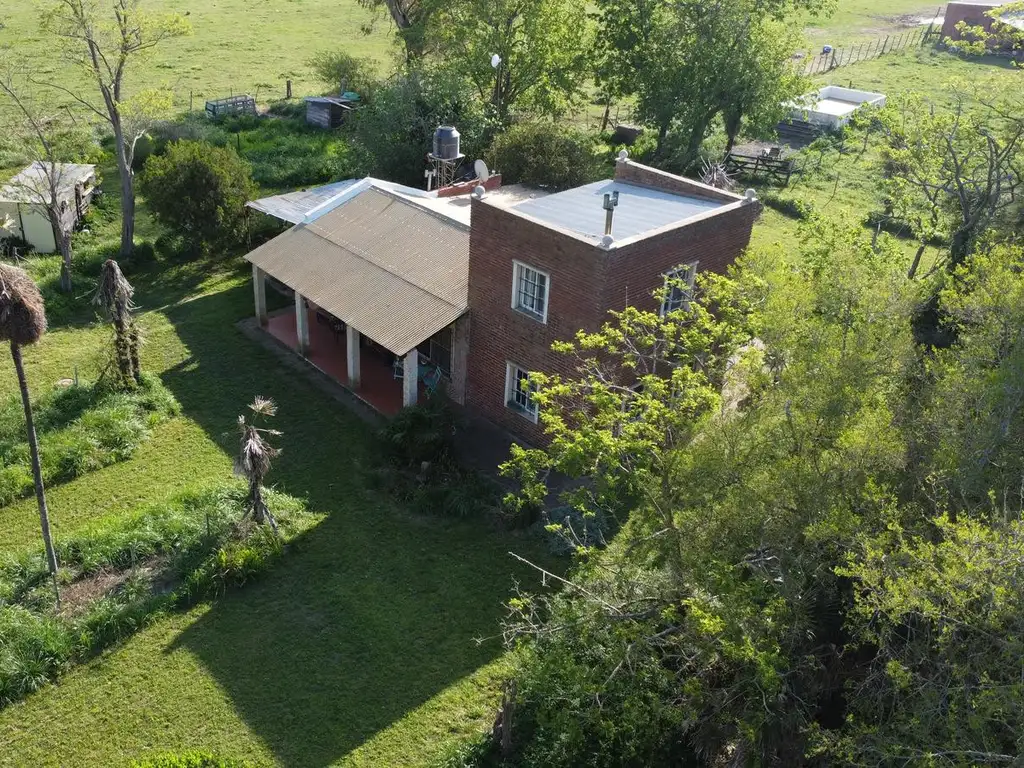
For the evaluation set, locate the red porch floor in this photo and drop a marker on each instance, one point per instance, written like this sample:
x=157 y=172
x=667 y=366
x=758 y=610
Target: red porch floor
x=378 y=386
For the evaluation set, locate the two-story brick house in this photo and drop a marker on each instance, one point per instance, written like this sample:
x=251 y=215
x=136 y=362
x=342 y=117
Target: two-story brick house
x=474 y=289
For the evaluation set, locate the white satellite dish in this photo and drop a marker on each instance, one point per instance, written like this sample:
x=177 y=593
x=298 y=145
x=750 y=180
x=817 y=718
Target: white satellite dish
x=482 y=172
x=495 y=60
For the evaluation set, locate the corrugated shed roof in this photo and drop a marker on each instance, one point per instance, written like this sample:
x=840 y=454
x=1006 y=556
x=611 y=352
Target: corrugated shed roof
x=26 y=186
x=395 y=272
x=640 y=209
x=293 y=206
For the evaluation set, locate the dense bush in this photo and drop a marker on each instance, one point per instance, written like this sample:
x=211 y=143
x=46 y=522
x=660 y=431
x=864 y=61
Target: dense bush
x=168 y=555
x=341 y=71
x=418 y=464
x=545 y=155
x=81 y=428
x=199 y=191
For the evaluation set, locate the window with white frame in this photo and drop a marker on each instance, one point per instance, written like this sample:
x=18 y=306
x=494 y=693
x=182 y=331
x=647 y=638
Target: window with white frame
x=679 y=288
x=530 y=291
x=519 y=391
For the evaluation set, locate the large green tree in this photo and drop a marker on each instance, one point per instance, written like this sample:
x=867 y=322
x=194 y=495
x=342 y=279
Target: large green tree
x=818 y=557
x=688 y=62
x=106 y=39
x=543 y=50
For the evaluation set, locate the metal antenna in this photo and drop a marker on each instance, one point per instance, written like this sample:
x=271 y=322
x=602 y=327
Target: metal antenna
x=611 y=202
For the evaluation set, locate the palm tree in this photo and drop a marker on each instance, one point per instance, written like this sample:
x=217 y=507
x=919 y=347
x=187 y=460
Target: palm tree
x=114 y=293
x=23 y=321
x=254 y=457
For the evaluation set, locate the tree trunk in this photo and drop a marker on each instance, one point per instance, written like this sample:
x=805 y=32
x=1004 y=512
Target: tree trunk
x=63 y=242
x=37 y=474
x=123 y=349
x=960 y=248
x=660 y=146
x=912 y=272
x=124 y=168
x=733 y=121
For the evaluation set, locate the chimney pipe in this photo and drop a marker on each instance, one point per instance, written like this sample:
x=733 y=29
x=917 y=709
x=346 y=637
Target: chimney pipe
x=611 y=202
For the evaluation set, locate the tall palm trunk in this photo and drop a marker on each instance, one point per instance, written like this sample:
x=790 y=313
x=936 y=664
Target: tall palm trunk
x=37 y=474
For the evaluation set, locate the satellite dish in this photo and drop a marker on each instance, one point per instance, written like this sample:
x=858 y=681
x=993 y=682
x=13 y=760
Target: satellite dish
x=495 y=60
x=482 y=172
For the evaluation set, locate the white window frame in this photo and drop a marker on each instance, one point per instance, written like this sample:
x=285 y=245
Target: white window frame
x=518 y=268
x=687 y=273
x=512 y=371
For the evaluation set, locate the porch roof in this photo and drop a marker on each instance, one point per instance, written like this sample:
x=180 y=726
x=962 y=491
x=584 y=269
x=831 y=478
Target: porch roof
x=396 y=272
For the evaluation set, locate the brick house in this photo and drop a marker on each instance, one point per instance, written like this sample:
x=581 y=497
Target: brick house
x=469 y=291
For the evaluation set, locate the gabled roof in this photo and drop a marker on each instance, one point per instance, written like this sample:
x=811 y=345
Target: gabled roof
x=395 y=271
x=31 y=183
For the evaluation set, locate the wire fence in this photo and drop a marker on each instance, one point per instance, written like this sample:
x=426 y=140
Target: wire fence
x=833 y=58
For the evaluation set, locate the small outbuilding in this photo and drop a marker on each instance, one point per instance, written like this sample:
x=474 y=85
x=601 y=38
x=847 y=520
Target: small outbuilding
x=231 y=105
x=832 y=107
x=23 y=200
x=976 y=13
x=327 y=112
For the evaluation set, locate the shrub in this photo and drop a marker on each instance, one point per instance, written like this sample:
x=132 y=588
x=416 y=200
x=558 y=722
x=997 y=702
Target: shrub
x=423 y=433
x=199 y=190
x=787 y=206
x=545 y=155
x=170 y=555
x=342 y=71
x=81 y=428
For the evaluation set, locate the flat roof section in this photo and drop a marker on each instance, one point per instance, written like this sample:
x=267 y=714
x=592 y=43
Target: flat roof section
x=640 y=209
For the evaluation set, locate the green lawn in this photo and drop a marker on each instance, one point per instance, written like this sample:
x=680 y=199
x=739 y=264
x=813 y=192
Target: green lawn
x=359 y=647
x=237 y=46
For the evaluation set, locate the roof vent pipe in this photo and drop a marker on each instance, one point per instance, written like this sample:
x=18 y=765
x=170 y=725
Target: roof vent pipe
x=611 y=202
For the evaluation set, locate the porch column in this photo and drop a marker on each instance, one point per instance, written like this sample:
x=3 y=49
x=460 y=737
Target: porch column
x=301 y=323
x=259 y=286
x=411 y=379
x=352 y=355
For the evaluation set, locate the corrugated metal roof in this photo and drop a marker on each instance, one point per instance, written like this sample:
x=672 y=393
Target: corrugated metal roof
x=393 y=271
x=640 y=209
x=293 y=206
x=27 y=185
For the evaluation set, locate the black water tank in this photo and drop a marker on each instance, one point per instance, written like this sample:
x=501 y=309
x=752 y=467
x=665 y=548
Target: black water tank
x=446 y=143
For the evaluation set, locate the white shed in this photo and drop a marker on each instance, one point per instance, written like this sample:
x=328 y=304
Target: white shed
x=21 y=201
x=833 y=106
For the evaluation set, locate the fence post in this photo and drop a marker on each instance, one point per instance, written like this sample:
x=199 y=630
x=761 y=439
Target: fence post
x=288 y=89
x=884 y=44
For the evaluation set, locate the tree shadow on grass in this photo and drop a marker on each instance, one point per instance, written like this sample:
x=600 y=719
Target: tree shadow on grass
x=374 y=611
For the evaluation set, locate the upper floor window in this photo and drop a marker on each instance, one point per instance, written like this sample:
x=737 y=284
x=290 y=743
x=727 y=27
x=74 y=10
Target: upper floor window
x=530 y=291
x=679 y=288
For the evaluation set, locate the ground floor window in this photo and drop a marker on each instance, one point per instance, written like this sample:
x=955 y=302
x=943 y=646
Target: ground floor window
x=519 y=391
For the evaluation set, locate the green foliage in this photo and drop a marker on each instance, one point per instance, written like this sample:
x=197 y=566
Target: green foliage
x=545 y=155
x=418 y=464
x=687 y=63
x=544 y=47
x=192 y=759
x=396 y=131
x=341 y=71
x=169 y=555
x=199 y=191
x=81 y=428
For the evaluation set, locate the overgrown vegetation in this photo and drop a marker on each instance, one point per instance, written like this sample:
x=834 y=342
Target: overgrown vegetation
x=547 y=155
x=82 y=427
x=119 y=575
x=418 y=465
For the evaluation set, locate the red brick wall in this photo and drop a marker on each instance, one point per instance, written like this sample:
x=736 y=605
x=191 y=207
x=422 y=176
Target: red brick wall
x=637 y=270
x=586 y=281
x=635 y=173
x=500 y=334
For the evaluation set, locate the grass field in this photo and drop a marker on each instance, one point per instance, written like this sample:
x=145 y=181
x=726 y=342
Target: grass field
x=359 y=648
x=236 y=46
